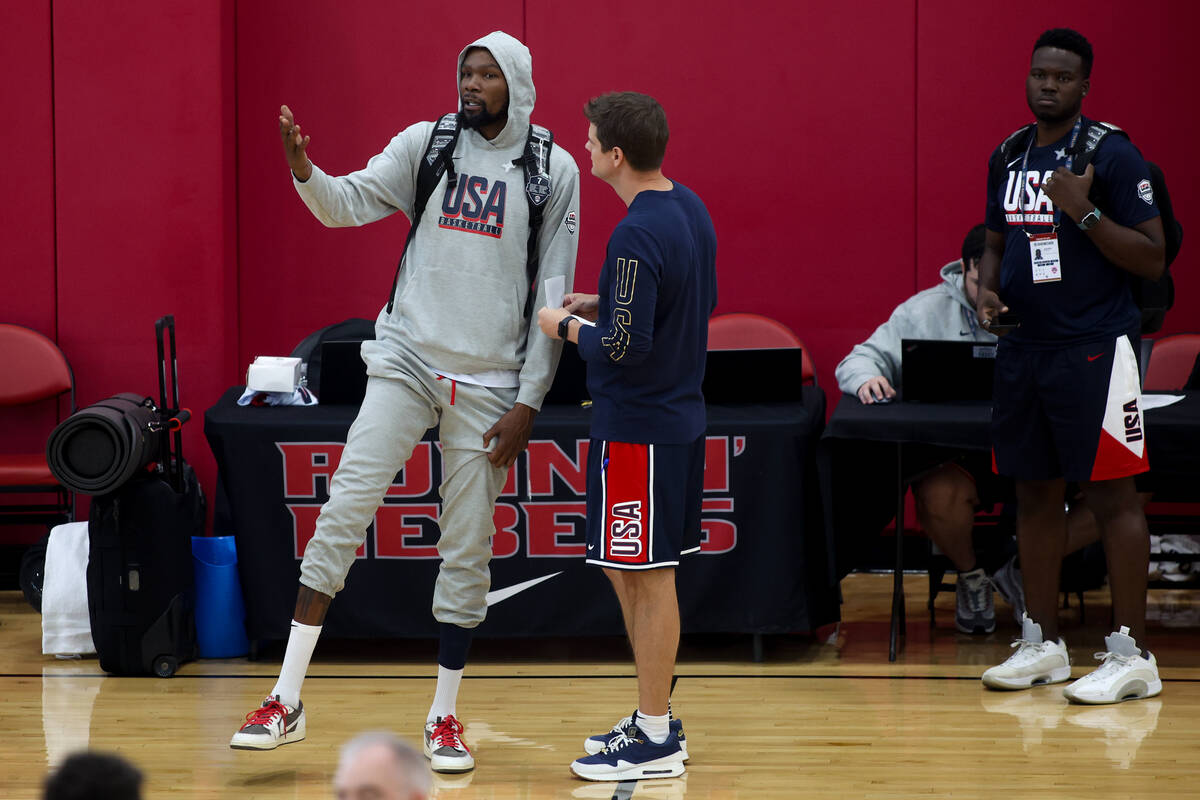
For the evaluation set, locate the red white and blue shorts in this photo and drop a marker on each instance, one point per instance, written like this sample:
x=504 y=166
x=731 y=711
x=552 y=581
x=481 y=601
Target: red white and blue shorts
x=1073 y=412
x=643 y=503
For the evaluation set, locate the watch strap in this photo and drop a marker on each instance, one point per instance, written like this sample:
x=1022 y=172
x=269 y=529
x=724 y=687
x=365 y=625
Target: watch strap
x=1090 y=220
x=564 y=326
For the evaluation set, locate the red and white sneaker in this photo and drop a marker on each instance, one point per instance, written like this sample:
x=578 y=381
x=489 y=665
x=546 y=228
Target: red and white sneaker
x=269 y=726
x=444 y=747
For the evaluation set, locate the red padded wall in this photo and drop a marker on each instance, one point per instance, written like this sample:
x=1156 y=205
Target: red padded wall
x=27 y=277
x=144 y=133
x=355 y=74
x=792 y=124
x=27 y=137
x=1142 y=72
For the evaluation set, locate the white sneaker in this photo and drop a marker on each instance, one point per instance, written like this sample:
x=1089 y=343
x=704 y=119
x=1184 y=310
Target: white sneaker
x=269 y=726
x=1123 y=674
x=1034 y=663
x=444 y=747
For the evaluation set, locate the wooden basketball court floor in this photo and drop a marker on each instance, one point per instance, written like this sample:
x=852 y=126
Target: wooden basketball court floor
x=822 y=716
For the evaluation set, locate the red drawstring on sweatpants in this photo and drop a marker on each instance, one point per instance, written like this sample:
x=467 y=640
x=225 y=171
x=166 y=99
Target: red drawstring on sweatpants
x=453 y=386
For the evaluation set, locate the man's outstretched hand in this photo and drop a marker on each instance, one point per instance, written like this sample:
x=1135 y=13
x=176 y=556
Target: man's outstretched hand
x=295 y=145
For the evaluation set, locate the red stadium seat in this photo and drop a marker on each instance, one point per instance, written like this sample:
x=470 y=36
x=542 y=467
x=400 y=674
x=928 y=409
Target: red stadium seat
x=743 y=331
x=35 y=371
x=1171 y=362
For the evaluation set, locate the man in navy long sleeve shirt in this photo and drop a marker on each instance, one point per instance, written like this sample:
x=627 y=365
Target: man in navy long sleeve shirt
x=645 y=358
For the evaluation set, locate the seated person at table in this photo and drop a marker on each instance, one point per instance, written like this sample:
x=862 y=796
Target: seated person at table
x=948 y=494
x=952 y=488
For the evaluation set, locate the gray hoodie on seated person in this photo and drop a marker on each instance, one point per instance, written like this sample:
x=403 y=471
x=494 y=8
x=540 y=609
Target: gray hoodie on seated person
x=941 y=312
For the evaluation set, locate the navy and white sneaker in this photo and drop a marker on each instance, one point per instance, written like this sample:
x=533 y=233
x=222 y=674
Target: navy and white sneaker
x=594 y=744
x=269 y=726
x=631 y=756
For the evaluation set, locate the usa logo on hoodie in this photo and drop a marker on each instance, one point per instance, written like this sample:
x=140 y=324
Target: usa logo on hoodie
x=475 y=206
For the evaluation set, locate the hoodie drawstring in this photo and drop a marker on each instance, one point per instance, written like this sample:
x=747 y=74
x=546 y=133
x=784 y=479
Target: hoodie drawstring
x=453 y=386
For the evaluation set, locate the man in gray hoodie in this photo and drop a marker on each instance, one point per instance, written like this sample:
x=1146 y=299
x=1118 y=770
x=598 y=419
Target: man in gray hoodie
x=453 y=348
x=947 y=495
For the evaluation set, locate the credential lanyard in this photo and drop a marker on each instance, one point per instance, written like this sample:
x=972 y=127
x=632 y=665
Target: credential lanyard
x=1025 y=171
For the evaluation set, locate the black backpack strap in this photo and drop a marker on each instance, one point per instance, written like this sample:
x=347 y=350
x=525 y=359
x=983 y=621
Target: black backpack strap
x=538 y=189
x=1010 y=148
x=438 y=159
x=439 y=152
x=1085 y=149
x=1153 y=298
x=1013 y=145
x=1089 y=142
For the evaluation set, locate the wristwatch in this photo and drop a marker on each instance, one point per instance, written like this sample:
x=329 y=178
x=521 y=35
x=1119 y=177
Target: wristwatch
x=563 y=325
x=1090 y=220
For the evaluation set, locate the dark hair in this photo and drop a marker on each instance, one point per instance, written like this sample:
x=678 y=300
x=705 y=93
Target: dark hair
x=1071 y=41
x=972 y=249
x=94 y=776
x=634 y=122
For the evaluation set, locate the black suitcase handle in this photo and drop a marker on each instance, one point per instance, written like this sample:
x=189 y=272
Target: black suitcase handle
x=168 y=378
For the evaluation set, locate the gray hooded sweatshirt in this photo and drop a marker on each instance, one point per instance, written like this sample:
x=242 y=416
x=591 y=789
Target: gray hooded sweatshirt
x=460 y=300
x=941 y=312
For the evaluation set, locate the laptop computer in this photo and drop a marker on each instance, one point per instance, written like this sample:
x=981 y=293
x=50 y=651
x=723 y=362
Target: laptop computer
x=946 y=371
x=760 y=375
x=343 y=379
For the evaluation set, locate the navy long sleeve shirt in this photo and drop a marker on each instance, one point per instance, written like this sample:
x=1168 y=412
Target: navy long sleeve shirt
x=645 y=356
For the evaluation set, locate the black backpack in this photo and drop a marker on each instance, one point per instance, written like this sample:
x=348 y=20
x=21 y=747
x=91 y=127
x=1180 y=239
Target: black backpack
x=354 y=329
x=1154 y=298
x=438 y=159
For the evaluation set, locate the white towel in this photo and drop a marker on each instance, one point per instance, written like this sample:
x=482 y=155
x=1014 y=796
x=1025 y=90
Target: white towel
x=66 y=626
x=300 y=397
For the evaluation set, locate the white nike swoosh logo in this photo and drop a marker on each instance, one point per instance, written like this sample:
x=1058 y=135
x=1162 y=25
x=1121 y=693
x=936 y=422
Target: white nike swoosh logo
x=1014 y=161
x=497 y=595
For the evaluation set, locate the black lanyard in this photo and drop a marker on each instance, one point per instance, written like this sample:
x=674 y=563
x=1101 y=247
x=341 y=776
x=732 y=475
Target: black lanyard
x=1025 y=174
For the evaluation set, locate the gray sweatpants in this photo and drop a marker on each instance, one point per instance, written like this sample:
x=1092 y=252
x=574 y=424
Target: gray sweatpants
x=395 y=414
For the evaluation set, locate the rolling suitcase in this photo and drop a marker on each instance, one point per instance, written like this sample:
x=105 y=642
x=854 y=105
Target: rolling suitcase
x=139 y=577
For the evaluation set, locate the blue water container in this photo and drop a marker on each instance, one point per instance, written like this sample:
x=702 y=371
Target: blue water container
x=220 y=612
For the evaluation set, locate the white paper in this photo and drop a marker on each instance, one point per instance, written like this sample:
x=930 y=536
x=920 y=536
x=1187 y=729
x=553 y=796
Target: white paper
x=1150 y=401
x=555 y=285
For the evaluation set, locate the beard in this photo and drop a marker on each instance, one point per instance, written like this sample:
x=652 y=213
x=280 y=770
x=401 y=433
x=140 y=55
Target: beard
x=484 y=117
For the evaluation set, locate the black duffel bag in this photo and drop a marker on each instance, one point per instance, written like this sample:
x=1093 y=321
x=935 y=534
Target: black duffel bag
x=98 y=449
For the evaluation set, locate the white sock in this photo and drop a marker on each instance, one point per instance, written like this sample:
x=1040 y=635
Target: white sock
x=446 y=696
x=656 y=728
x=301 y=642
